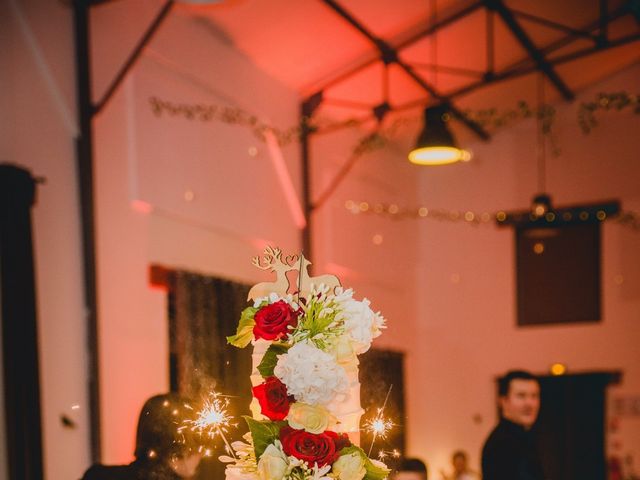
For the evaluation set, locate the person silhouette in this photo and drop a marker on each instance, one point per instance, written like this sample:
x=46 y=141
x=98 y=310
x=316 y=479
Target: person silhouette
x=161 y=451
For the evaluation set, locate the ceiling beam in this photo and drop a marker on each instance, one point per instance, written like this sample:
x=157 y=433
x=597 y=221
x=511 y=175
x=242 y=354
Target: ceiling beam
x=521 y=70
x=555 y=25
x=564 y=41
x=406 y=42
x=538 y=57
x=432 y=28
x=389 y=54
x=603 y=33
x=135 y=54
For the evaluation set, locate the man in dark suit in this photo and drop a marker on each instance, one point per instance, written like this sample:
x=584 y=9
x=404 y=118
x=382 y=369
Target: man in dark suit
x=510 y=452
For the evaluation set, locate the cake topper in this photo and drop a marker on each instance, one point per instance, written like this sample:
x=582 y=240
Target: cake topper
x=272 y=260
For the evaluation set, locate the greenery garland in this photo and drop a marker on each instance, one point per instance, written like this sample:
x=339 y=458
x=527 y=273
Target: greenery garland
x=491 y=118
x=606 y=101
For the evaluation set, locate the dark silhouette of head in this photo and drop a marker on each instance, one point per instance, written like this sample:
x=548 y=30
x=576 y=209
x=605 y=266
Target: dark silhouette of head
x=411 y=469
x=158 y=438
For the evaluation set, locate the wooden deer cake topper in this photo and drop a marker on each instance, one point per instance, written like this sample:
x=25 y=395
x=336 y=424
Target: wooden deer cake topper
x=273 y=261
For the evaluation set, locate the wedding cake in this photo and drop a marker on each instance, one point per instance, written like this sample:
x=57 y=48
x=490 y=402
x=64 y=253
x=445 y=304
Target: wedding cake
x=306 y=337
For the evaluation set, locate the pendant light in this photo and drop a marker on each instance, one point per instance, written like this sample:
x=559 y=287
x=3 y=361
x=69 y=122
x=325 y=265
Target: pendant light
x=541 y=203
x=436 y=144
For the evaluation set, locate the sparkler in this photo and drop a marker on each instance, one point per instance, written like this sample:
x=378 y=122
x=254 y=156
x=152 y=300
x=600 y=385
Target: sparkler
x=212 y=420
x=379 y=426
x=383 y=454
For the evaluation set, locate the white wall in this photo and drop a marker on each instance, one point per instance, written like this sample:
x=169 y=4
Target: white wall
x=466 y=326
x=373 y=255
x=145 y=164
x=239 y=206
x=36 y=132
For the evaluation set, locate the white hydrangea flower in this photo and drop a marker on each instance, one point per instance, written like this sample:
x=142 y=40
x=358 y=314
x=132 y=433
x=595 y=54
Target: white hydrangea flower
x=311 y=375
x=360 y=322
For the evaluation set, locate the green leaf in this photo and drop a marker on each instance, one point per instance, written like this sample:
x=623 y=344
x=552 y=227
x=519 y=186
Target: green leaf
x=313 y=322
x=353 y=449
x=244 y=333
x=263 y=433
x=270 y=359
x=375 y=472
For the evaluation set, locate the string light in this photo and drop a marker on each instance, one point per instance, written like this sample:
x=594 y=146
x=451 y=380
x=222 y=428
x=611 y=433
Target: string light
x=394 y=211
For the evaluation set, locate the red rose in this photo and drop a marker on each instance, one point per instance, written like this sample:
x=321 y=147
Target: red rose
x=272 y=321
x=323 y=448
x=273 y=398
x=340 y=439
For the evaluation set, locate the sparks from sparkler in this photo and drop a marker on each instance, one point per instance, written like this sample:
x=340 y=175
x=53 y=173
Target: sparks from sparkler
x=379 y=426
x=383 y=454
x=212 y=420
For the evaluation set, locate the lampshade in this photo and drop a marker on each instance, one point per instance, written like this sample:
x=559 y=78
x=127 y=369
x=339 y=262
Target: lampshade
x=436 y=145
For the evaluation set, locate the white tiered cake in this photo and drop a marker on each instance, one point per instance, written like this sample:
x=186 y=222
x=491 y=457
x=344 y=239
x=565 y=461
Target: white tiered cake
x=306 y=394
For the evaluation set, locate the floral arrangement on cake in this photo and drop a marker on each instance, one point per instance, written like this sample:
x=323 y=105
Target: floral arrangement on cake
x=307 y=345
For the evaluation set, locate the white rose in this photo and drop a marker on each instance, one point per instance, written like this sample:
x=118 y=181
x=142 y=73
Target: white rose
x=272 y=464
x=349 y=467
x=341 y=349
x=311 y=418
x=311 y=375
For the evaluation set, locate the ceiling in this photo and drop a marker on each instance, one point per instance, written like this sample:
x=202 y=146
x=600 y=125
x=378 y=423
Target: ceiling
x=485 y=53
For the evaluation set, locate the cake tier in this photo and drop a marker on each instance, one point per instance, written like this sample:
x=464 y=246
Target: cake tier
x=346 y=410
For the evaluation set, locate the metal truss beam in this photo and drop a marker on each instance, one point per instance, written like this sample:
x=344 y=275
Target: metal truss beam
x=388 y=54
x=135 y=54
x=538 y=57
x=423 y=33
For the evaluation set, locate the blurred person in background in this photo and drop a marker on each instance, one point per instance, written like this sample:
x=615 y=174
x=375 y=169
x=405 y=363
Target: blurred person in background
x=461 y=470
x=411 y=469
x=161 y=452
x=510 y=451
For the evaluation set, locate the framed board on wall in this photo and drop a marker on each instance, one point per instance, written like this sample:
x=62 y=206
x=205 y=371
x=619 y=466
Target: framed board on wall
x=558 y=274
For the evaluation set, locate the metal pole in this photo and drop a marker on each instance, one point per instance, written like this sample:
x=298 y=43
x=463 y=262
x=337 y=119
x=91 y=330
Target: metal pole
x=84 y=163
x=305 y=135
